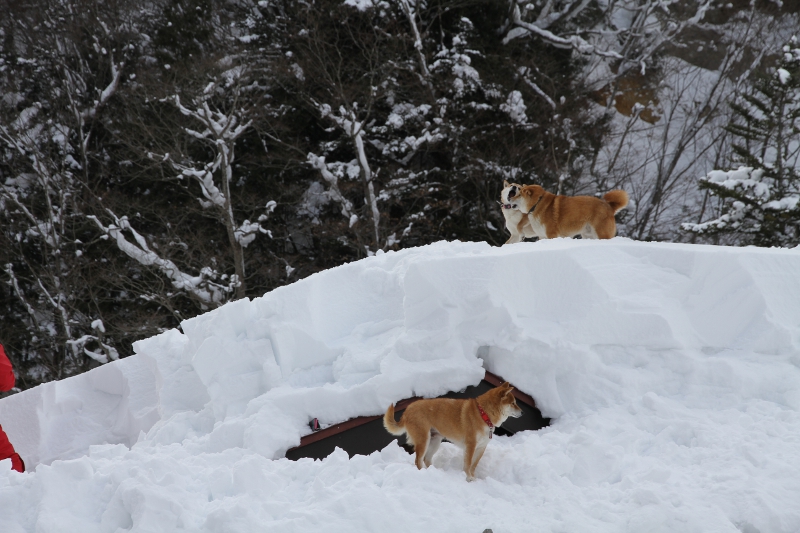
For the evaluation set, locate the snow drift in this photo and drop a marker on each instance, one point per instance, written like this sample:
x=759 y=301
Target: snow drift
x=672 y=373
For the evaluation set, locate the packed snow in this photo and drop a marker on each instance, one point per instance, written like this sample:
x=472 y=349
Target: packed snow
x=671 y=372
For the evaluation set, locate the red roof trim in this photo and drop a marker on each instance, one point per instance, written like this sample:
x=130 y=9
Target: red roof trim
x=349 y=424
x=518 y=394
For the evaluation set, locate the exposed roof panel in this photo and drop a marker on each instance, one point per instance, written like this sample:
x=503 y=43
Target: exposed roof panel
x=366 y=434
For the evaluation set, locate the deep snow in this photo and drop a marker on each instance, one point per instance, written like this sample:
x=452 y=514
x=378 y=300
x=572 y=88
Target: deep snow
x=672 y=373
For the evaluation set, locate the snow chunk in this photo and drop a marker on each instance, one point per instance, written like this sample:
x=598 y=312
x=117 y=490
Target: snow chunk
x=515 y=107
x=671 y=372
x=363 y=5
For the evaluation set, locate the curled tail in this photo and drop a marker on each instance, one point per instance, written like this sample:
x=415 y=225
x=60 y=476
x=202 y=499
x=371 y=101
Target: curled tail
x=389 y=423
x=617 y=199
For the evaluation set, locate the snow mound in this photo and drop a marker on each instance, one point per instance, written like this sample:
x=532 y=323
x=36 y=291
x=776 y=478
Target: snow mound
x=672 y=373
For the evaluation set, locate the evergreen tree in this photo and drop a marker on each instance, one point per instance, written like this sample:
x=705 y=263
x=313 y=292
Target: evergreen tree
x=760 y=201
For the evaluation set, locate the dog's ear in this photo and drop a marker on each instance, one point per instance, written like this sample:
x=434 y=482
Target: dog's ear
x=506 y=394
x=526 y=192
x=505 y=183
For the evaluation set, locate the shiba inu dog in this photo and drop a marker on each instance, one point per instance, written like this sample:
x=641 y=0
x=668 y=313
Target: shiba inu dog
x=553 y=216
x=516 y=222
x=468 y=424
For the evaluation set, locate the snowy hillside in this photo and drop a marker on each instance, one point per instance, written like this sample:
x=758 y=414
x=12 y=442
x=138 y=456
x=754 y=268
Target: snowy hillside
x=672 y=373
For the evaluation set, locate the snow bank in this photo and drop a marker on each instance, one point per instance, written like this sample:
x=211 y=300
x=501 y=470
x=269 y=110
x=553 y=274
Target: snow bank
x=672 y=372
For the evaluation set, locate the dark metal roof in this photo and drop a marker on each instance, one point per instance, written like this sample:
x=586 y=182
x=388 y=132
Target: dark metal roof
x=366 y=434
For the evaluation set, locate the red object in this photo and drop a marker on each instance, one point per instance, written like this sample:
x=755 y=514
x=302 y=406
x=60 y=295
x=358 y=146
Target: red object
x=7 y=383
x=7 y=452
x=6 y=372
x=486 y=419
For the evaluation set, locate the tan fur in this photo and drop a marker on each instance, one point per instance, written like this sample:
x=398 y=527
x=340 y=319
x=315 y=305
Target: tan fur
x=516 y=222
x=567 y=216
x=426 y=422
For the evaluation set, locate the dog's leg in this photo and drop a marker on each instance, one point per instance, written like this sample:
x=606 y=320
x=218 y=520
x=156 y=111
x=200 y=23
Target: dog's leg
x=516 y=235
x=519 y=231
x=538 y=229
x=421 y=441
x=588 y=232
x=436 y=440
x=469 y=453
x=476 y=460
x=606 y=229
x=552 y=231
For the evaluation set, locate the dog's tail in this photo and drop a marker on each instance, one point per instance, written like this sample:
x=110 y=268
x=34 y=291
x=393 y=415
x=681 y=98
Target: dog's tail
x=617 y=199
x=389 y=423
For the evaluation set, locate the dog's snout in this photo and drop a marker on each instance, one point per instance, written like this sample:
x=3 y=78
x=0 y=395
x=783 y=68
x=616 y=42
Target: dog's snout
x=513 y=192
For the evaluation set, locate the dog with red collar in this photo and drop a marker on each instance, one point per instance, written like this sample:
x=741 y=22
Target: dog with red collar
x=469 y=424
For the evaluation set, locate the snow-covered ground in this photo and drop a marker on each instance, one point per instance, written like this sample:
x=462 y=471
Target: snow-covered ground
x=672 y=373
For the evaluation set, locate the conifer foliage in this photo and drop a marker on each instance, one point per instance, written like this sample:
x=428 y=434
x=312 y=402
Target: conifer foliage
x=759 y=202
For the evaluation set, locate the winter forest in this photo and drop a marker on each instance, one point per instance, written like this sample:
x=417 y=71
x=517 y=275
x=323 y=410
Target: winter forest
x=161 y=158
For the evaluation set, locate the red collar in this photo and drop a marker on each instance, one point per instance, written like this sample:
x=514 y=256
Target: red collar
x=486 y=419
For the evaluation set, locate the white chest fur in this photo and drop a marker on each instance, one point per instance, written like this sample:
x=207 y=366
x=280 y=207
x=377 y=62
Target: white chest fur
x=537 y=227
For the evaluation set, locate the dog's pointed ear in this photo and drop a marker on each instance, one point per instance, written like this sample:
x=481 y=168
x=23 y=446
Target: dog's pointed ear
x=506 y=183
x=527 y=192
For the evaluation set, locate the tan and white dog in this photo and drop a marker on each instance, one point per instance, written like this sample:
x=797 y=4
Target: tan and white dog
x=516 y=222
x=468 y=424
x=552 y=216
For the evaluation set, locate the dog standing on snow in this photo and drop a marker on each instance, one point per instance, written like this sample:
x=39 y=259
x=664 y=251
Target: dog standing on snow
x=552 y=216
x=516 y=222
x=469 y=424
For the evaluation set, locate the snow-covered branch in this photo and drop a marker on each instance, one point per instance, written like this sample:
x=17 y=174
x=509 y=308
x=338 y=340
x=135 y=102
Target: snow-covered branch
x=523 y=71
x=200 y=287
x=334 y=193
x=219 y=126
x=221 y=132
x=110 y=89
x=247 y=232
x=367 y=176
x=79 y=345
x=410 y=14
x=9 y=268
x=354 y=129
x=204 y=177
x=539 y=28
